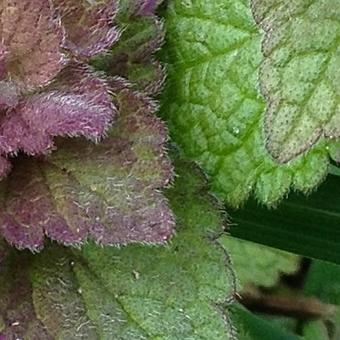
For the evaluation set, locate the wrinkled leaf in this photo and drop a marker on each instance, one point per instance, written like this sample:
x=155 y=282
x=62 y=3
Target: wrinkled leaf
x=258 y=265
x=135 y=292
x=31 y=56
x=132 y=56
x=76 y=103
x=88 y=24
x=108 y=191
x=214 y=107
x=300 y=74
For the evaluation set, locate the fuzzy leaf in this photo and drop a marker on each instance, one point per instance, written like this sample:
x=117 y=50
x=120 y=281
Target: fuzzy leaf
x=43 y=93
x=88 y=24
x=107 y=191
x=300 y=74
x=132 y=56
x=214 y=106
x=32 y=57
x=129 y=293
x=77 y=103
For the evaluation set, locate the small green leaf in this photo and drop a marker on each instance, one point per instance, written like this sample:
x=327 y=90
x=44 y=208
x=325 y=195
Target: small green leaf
x=323 y=281
x=135 y=292
x=132 y=56
x=257 y=264
x=315 y=330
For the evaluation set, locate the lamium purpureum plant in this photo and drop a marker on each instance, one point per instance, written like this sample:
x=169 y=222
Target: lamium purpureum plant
x=71 y=188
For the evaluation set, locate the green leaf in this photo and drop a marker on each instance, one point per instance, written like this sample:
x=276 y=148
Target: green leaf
x=256 y=264
x=214 y=107
x=320 y=273
x=132 y=56
x=315 y=330
x=300 y=74
x=253 y=327
x=135 y=292
x=323 y=281
x=307 y=226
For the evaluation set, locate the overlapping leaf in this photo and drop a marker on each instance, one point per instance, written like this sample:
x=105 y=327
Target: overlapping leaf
x=214 y=106
x=33 y=110
x=132 y=56
x=136 y=292
x=88 y=24
x=107 y=191
x=31 y=57
x=300 y=74
x=76 y=103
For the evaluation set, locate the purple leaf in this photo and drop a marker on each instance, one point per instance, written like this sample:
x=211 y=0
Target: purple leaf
x=31 y=38
x=108 y=191
x=77 y=103
x=89 y=25
x=147 y=7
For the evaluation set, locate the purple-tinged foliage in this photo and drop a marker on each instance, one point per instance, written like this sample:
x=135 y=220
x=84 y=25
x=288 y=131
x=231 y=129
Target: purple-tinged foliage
x=146 y=7
x=108 y=191
x=132 y=56
x=76 y=103
x=88 y=25
x=44 y=92
x=31 y=38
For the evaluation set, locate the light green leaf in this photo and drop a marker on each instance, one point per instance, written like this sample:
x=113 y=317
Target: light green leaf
x=136 y=292
x=300 y=76
x=214 y=107
x=257 y=264
x=315 y=330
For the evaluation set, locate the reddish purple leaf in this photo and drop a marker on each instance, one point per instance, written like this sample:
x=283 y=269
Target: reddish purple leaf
x=31 y=37
x=147 y=7
x=108 y=191
x=89 y=25
x=77 y=103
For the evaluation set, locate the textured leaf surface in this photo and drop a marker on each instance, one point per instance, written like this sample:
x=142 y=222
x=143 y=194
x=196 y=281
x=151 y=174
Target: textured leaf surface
x=136 y=292
x=30 y=56
x=88 y=24
x=258 y=265
x=45 y=94
x=77 y=103
x=132 y=57
x=107 y=191
x=300 y=74
x=214 y=107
